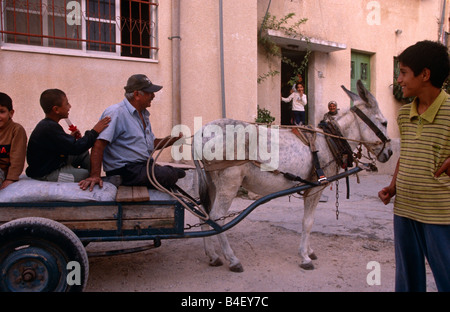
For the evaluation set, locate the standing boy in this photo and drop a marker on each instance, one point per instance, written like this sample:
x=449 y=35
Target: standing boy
x=54 y=155
x=421 y=182
x=13 y=144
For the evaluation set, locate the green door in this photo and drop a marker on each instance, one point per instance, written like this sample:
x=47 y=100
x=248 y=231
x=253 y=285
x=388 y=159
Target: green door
x=360 y=70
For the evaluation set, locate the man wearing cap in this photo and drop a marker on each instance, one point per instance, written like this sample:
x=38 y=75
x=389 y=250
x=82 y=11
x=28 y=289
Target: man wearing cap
x=126 y=145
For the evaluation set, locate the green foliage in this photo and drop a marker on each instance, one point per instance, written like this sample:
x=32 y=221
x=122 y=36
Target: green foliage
x=446 y=86
x=273 y=50
x=271 y=73
x=264 y=116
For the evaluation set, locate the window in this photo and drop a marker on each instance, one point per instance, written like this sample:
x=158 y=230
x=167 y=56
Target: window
x=360 y=70
x=115 y=27
x=396 y=88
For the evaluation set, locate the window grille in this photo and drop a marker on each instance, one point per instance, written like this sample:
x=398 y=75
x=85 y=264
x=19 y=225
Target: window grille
x=117 y=27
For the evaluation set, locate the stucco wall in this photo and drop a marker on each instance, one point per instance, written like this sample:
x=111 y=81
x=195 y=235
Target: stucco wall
x=363 y=26
x=200 y=60
x=92 y=83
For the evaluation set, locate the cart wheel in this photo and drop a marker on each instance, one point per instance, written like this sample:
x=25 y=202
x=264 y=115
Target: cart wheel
x=38 y=254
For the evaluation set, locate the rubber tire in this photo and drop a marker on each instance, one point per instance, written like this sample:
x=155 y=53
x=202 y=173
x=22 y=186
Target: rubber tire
x=34 y=253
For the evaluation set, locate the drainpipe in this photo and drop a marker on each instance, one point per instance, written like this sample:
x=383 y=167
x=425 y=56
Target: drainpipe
x=441 y=26
x=176 y=79
x=265 y=18
x=222 y=65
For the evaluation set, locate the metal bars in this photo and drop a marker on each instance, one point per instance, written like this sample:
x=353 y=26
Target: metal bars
x=122 y=27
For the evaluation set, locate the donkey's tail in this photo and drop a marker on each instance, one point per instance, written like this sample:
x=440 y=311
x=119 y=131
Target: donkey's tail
x=203 y=187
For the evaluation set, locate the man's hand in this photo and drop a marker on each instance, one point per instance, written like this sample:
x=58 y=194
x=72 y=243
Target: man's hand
x=444 y=168
x=166 y=142
x=90 y=183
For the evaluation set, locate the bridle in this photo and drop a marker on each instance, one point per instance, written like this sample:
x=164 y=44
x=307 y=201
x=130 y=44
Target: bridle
x=372 y=126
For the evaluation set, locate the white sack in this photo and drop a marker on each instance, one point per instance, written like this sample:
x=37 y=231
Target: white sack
x=29 y=190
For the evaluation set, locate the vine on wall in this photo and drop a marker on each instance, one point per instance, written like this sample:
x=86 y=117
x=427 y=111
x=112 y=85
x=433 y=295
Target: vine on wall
x=272 y=50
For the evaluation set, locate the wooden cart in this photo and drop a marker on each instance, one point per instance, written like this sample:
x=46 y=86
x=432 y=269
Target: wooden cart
x=42 y=245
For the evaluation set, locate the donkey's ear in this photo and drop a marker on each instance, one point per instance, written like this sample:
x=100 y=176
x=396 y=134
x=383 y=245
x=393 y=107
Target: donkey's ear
x=365 y=95
x=353 y=96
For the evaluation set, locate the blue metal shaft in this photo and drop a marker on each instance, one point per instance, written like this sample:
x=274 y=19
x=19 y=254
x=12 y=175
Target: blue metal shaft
x=264 y=200
x=219 y=229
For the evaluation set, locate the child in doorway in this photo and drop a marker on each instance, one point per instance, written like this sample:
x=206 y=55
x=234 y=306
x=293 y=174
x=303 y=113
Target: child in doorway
x=13 y=144
x=299 y=102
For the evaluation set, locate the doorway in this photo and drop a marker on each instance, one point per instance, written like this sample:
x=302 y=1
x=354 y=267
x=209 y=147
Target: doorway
x=287 y=77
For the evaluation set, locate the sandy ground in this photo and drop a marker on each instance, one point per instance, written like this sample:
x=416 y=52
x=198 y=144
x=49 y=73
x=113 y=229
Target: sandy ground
x=266 y=242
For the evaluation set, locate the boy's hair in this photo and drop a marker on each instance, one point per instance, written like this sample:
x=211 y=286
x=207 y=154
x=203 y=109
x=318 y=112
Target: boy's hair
x=6 y=101
x=50 y=98
x=428 y=54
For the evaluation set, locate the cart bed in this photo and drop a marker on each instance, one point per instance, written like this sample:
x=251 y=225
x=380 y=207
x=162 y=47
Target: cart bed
x=132 y=214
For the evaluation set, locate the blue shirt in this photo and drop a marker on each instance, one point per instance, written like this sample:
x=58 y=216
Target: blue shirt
x=128 y=141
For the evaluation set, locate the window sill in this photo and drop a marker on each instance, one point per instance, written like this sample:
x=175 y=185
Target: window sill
x=69 y=52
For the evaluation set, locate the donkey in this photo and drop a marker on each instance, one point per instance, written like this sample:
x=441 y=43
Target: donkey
x=221 y=176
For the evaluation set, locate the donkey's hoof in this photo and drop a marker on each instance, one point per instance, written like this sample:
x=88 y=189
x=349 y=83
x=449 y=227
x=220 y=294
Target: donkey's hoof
x=313 y=256
x=238 y=268
x=307 y=266
x=216 y=263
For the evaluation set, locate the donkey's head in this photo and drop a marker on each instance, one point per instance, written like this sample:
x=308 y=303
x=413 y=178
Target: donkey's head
x=371 y=122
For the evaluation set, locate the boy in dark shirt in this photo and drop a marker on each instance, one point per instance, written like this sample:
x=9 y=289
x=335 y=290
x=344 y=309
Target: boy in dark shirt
x=54 y=155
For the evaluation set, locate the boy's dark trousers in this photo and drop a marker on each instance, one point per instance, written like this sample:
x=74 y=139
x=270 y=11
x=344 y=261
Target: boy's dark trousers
x=415 y=241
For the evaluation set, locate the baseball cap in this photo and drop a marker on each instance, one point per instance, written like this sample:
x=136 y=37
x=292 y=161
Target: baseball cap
x=141 y=82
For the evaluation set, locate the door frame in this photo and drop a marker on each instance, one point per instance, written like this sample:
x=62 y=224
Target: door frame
x=286 y=74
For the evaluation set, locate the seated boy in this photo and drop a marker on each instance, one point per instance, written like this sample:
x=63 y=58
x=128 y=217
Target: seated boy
x=54 y=155
x=13 y=144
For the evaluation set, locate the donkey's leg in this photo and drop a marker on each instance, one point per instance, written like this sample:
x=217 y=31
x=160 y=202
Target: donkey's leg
x=220 y=209
x=214 y=259
x=227 y=183
x=224 y=198
x=311 y=200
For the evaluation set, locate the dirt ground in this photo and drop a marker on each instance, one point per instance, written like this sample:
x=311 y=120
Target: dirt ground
x=267 y=242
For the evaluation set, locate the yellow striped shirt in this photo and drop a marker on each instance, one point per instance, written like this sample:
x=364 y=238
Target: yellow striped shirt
x=425 y=144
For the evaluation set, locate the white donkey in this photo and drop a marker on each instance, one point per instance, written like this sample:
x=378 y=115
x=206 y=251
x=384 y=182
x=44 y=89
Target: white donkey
x=223 y=175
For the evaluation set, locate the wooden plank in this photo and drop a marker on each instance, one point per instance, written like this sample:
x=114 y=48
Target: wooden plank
x=86 y=213
x=132 y=193
x=140 y=193
x=58 y=213
x=111 y=225
x=124 y=194
x=148 y=211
